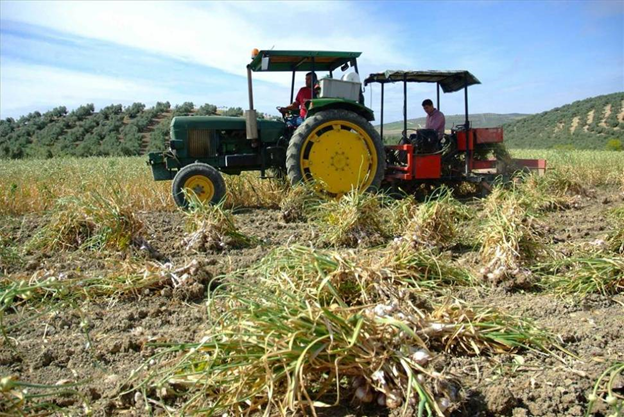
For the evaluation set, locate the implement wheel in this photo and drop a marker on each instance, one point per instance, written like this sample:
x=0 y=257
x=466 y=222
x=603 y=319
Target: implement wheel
x=202 y=180
x=335 y=151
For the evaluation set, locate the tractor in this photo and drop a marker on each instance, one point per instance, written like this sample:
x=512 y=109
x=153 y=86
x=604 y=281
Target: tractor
x=336 y=148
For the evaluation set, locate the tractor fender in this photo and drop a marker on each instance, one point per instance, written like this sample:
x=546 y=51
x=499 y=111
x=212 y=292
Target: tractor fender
x=317 y=105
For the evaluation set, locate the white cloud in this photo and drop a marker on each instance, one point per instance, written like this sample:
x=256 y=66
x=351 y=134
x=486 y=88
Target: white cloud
x=43 y=87
x=214 y=34
x=221 y=35
x=218 y=34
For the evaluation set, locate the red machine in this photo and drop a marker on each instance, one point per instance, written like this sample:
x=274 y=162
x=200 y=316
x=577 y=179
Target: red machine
x=466 y=154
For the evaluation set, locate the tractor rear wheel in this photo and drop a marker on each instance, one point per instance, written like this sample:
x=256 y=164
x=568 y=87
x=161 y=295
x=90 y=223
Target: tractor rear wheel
x=202 y=180
x=335 y=151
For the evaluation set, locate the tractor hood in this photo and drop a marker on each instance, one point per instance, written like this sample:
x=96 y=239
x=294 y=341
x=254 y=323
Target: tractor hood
x=270 y=129
x=220 y=122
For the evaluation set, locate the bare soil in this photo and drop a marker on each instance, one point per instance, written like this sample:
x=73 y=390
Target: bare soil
x=102 y=342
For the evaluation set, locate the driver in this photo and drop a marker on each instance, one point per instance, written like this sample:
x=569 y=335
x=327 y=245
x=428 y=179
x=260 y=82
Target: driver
x=304 y=94
x=435 y=118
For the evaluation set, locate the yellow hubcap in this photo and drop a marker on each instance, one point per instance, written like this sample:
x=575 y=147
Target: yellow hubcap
x=338 y=156
x=201 y=186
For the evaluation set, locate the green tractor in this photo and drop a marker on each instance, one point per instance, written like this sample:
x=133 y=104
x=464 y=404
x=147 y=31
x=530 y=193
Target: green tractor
x=334 y=149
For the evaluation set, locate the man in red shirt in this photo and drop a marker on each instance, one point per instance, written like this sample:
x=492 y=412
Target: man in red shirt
x=304 y=94
x=435 y=118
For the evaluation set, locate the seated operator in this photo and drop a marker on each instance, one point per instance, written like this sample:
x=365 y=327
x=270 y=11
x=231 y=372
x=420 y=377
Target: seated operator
x=304 y=94
x=435 y=118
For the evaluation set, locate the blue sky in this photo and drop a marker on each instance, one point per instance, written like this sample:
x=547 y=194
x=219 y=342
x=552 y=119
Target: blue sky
x=530 y=56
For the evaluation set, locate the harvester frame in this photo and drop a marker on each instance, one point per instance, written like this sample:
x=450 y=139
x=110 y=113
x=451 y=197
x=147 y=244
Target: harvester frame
x=461 y=157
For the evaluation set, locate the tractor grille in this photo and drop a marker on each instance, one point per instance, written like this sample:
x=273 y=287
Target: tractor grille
x=199 y=143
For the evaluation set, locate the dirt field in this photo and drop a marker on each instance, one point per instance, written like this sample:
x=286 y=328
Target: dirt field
x=101 y=342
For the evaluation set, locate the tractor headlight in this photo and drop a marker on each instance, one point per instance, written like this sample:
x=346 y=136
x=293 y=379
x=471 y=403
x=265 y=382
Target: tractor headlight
x=176 y=144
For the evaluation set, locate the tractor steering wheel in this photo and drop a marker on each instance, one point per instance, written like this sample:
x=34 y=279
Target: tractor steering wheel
x=404 y=133
x=288 y=115
x=290 y=118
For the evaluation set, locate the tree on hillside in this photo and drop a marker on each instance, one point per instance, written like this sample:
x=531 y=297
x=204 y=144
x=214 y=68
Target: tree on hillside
x=48 y=135
x=55 y=113
x=233 y=111
x=160 y=135
x=132 y=139
x=90 y=146
x=83 y=111
x=110 y=145
x=142 y=121
x=110 y=111
x=161 y=107
x=6 y=127
x=134 y=109
x=207 y=110
x=183 y=109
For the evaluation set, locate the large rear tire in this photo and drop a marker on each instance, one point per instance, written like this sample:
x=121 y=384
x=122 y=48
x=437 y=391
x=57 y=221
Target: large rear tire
x=201 y=179
x=335 y=151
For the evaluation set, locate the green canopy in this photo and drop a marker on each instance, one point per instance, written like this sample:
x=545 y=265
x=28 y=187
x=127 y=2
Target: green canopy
x=300 y=60
x=450 y=81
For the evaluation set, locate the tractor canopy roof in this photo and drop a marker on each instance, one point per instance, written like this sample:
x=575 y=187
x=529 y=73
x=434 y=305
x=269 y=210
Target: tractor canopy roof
x=270 y=61
x=449 y=80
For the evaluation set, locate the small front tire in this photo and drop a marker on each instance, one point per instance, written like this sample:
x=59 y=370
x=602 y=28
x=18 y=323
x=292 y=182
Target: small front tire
x=201 y=179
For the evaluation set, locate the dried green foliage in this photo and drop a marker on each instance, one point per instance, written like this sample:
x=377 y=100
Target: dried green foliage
x=616 y=237
x=510 y=239
x=355 y=278
x=353 y=220
x=24 y=398
x=585 y=167
x=584 y=274
x=558 y=190
x=292 y=332
x=399 y=212
x=437 y=223
x=605 y=390
x=9 y=252
x=92 y=222
x=129 y=279
x=250 y=190
x=212 y=227
x=281 y=354
x=36 y=186
x=299 y=203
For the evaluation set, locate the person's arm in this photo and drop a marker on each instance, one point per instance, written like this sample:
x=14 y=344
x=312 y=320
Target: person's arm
x=291 y=107
x=439 y=123
x=294 y=106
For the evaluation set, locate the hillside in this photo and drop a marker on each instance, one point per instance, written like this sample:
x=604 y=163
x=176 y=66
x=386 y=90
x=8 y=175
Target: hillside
x=592 y=123
x=113 y=131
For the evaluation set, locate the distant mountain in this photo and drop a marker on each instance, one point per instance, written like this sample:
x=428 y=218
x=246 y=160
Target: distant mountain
x=394 y=129
x=584 y=124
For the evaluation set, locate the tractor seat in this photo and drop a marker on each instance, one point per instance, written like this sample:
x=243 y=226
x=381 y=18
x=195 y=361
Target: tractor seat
x=425 y=141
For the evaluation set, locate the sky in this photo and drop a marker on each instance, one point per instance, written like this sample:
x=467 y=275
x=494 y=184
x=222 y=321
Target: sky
x=530 y=56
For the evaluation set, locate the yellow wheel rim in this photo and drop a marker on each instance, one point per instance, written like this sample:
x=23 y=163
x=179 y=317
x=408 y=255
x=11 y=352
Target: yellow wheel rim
x=337 y=156
x=202 y=187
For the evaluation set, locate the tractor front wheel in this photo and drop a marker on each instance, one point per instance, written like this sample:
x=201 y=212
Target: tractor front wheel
x=200 y=179
x=335 y=151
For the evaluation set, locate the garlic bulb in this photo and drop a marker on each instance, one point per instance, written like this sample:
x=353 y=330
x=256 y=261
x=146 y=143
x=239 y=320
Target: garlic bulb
x=421 y=357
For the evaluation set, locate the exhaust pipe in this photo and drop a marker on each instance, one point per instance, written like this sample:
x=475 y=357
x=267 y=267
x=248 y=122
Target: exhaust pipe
x=251 y=116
